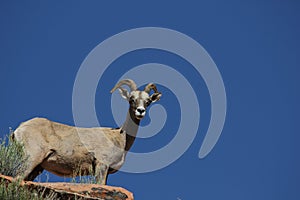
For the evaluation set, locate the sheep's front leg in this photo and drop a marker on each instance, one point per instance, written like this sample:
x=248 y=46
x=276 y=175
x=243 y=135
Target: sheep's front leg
x=101 y=173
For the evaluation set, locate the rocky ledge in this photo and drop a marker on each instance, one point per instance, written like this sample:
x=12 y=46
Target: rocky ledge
x=71 y=191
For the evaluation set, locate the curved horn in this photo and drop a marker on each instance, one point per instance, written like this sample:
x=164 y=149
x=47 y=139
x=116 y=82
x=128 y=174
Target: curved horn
x=149 y=87
x=127 y=82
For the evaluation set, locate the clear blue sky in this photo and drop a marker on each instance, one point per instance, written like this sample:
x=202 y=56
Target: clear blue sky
x=255 y=45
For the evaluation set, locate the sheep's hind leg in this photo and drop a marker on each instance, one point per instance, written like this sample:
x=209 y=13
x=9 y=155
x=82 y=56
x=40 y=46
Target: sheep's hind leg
x=101 y=173
x=33 y=167
x=30 y=173
x=36 y=171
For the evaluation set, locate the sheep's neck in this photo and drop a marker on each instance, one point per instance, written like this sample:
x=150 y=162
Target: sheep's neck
x=130 y=127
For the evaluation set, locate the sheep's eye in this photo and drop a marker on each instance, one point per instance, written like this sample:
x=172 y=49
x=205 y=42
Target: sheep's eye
x=148 y=102
x=131 y=100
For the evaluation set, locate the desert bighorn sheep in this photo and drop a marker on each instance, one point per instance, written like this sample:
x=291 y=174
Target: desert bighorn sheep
x=70 y=151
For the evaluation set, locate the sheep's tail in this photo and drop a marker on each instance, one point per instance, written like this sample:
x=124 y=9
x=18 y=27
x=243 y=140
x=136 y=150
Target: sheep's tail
x=11 y=134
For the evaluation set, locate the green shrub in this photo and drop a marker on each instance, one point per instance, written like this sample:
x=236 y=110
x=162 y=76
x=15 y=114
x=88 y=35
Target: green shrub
x=12 y=162
x=13 y=191
x=12 y=158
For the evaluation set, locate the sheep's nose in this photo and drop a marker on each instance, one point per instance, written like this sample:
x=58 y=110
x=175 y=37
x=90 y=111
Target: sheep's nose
x=141 y=110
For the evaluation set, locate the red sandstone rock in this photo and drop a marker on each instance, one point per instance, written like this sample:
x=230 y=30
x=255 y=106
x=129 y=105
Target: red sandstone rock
x=76 y=190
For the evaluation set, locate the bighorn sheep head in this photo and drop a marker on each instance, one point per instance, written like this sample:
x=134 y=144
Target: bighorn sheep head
x=138 y=100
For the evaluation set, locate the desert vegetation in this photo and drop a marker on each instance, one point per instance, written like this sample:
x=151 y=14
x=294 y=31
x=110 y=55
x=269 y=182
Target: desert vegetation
x=12 y=161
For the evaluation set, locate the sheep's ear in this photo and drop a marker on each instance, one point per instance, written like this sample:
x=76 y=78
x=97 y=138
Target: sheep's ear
x=155 y=96
x=124 y=93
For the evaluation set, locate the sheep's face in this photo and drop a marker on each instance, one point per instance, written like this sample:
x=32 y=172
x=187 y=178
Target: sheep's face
x=140 y=100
